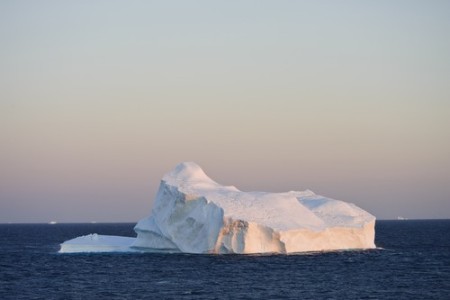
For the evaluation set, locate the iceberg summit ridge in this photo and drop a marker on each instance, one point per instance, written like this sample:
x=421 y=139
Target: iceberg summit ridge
x=194 y=214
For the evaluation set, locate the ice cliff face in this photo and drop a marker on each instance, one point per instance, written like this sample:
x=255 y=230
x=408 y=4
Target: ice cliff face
x=194 y=214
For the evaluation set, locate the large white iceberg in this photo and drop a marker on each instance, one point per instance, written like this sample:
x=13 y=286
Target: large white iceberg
x=194 y=214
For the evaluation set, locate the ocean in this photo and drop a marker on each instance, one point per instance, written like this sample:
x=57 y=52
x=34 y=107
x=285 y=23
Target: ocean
x=412 y=262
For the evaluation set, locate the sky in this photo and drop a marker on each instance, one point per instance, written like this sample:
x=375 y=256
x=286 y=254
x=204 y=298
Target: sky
x=98 y=99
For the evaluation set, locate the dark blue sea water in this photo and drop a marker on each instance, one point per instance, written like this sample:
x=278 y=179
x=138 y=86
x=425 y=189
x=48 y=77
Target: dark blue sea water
x=413 y=264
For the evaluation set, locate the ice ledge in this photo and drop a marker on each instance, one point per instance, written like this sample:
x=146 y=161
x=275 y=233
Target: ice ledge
x=98 y=243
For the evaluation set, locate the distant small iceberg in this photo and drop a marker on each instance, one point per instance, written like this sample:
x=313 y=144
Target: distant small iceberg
x=52 y=222
x=401 y=218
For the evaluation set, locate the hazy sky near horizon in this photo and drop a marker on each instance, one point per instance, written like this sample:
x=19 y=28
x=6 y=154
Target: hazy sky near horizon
x=98 y=99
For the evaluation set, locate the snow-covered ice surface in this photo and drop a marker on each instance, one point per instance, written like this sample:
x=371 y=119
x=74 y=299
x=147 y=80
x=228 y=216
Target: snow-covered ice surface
x=194 y=214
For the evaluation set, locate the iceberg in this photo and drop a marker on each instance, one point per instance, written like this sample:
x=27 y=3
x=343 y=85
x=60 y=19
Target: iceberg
x=194 y=214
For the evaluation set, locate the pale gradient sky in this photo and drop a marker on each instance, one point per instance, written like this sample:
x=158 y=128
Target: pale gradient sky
x=98 y=99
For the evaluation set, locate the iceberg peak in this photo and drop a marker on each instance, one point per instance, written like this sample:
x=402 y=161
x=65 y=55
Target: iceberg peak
x=187 y=172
